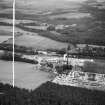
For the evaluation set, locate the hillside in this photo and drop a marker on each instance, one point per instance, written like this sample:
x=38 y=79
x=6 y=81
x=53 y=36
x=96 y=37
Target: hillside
x=89 y=29
x=88 y=16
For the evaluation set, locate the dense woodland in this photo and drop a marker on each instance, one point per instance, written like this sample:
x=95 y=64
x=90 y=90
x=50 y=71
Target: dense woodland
x=50 y=94
x=86 y=52
x=20 y=49
x=8 y=56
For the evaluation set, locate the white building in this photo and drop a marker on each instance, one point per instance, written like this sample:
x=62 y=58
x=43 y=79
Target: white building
x=42 y=52
x=76 y=61
x=59 y=27
x=82 y=79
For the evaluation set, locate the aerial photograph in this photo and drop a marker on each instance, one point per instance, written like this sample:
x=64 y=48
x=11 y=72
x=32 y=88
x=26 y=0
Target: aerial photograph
x=59 y=52
x=5 y=35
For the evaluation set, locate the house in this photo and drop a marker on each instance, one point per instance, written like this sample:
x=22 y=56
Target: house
x=42 y=52
x=76 y=61
x=73 y=25
x=82 y=79
x=59 y=27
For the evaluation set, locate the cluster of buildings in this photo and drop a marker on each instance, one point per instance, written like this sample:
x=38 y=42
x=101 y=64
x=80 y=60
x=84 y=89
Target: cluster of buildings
x=88 y=50
x=51 y=27
x=76 y=76
x=76 y=61
x=61 y=59
x=82 y=79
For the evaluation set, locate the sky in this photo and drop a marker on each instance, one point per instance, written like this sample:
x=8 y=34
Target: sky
x=44 y=3
x=35 y=2
x=5 y=4
x=38 y=3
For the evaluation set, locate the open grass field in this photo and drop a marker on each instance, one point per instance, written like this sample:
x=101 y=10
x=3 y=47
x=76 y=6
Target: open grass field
x=4 y=38
x=5 y=33
x=6 y=28
x=98 y=66
x=6 y=72
x=28 y=76
x=36 y=41
x=71 y=15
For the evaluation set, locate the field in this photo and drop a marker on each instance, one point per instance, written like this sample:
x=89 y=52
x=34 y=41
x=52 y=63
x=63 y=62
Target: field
x=98 y=66
x=36 y=41
x=6 y=71
x=27 y=76
x=71 y=15
x=4 y=38
x=5 y=33
x=6 y=29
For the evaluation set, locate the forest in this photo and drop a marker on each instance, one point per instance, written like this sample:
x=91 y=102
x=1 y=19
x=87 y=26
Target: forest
x=50 y=94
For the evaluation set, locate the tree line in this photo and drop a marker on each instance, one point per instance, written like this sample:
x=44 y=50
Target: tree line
x=50 y=94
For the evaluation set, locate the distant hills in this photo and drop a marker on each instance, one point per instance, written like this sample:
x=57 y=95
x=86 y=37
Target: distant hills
x=96 y=3
x=46 y=4
x=5 y=4
x=89 y=30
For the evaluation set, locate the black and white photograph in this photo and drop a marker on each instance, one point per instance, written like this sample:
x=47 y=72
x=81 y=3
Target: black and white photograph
x=6 y=34
x=52 y=52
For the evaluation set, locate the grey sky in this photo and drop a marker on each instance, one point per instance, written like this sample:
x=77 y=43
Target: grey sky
x=38 y=3
x=43 y=3
x=6 y=4
x=34 y=3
